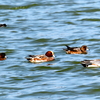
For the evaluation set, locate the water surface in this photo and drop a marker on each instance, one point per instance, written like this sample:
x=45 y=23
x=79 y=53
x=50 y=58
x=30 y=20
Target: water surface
x=36 y=26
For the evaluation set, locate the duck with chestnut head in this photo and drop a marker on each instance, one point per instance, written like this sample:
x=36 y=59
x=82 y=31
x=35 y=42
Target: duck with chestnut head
x=3 y=56
x=48 y=56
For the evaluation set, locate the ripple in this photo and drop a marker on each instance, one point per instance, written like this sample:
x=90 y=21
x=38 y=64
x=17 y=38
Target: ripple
x=17 y=7
x=90 y=19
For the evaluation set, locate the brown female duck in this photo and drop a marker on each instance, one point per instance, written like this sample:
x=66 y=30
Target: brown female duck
x=76 y=50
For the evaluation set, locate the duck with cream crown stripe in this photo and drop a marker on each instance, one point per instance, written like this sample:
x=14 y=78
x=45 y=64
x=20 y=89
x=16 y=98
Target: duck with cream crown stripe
x=48 y=56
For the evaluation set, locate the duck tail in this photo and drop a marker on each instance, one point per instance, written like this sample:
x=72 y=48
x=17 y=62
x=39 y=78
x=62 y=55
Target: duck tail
x=28 y=58
x=66 y=49
x=67 y=46
x=85 y=63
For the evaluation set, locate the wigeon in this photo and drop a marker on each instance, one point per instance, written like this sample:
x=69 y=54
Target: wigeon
x=91 y=63
x=48 y=56
x=3 y=25
x=2 y=56
x=76 y=50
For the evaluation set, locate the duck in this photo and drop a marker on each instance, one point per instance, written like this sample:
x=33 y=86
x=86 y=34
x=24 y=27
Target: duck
x=91 y=63
x=48 y=56
x=76 y=50
x=3 y=25
x=3 y=56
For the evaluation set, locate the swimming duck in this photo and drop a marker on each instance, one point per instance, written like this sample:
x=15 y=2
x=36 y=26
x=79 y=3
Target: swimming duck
x=2 y=56
x=48 y=56
x=3 y=25
x=91 y=63
x=76 y=50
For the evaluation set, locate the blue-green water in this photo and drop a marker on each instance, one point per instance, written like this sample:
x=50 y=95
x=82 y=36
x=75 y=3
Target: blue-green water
x=36 y=26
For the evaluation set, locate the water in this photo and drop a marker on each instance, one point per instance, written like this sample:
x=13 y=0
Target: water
x=36 y=26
